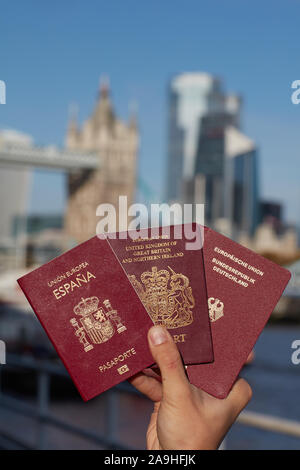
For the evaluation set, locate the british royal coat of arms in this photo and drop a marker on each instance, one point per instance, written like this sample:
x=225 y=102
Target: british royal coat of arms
x=97 y=323
x=167 y=297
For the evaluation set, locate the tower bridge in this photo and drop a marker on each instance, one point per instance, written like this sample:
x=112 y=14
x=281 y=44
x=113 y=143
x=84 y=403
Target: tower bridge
x=100 y=162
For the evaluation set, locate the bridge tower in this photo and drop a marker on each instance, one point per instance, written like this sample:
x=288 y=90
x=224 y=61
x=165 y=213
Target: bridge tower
x=116 y=143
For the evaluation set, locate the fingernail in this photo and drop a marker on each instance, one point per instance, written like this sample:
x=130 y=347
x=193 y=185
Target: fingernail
x=158 y=335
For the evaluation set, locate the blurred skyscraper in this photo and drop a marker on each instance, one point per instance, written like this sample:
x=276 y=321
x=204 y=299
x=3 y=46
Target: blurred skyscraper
x=209 y=159
x=241 y=203
x=191 y=97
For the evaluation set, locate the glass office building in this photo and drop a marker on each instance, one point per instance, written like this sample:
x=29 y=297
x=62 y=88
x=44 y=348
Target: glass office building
x=210 y=161
x=241 y=198
x=191 y=96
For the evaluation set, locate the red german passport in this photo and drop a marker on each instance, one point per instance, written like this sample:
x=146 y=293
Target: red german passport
x=243 y=289
x=92 y=315
x=169 y=279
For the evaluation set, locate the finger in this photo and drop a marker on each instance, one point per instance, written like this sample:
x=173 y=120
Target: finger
x=167 y=357
x=156 y=370
x=250 y=358
x=147 y=385
x=239 y=396
x=153 y=373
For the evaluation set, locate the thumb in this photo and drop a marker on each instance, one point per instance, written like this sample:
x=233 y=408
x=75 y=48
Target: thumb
x=166 y=355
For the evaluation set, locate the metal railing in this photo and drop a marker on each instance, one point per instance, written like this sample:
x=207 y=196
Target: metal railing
x=40 y=410
x=108 y=439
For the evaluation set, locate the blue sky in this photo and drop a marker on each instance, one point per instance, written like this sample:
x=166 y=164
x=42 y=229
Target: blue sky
x=52 y=54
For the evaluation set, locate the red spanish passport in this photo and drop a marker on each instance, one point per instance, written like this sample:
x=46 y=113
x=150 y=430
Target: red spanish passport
x=170 y=281
x=242 y=288
x=92 y=315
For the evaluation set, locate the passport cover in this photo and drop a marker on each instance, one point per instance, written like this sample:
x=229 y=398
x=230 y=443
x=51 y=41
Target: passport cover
x=92 y=315
x=243 y=289
x=170 y=281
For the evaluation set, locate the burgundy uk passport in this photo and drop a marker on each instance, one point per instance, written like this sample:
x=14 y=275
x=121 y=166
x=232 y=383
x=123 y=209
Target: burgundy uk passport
x=92 y=315
x=243 y=289
x=170 y=281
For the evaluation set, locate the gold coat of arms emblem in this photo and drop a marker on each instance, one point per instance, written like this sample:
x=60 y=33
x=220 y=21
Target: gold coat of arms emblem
x=166 y=295
x=97 y=323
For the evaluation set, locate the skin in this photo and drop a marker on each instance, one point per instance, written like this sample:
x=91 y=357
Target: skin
x=184 y=417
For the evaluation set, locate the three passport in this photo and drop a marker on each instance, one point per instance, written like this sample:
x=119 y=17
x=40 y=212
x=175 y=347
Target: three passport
x=98 y=301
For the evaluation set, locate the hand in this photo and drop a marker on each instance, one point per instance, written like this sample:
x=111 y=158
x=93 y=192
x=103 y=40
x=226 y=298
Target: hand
x=184 y=417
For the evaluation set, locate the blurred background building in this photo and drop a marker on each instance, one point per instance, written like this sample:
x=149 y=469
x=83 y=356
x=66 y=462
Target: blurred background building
x=116 y=144
x=15 y=193
x=212 y=162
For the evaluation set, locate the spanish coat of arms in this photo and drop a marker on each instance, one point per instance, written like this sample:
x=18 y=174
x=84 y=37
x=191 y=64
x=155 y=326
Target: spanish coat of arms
x=97 y=324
